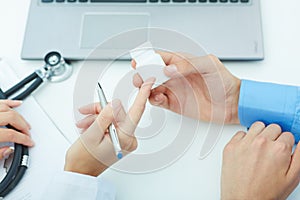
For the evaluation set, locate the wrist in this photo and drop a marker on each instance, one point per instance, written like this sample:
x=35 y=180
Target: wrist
x=79 y=160
x=235 y=106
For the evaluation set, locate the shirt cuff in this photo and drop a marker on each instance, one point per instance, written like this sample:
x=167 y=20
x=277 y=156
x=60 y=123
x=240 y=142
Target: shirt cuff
x=69 y=185
x=270 y=103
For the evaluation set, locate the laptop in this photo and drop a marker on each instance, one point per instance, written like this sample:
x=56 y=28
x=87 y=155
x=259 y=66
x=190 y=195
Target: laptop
x=230 y=29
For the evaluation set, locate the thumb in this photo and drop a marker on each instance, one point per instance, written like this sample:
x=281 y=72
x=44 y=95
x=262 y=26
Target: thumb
x=159 y=99
x=105 y=118
x=5 y=152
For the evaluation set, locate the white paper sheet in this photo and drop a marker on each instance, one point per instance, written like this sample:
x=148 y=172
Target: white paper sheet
x=148 y=63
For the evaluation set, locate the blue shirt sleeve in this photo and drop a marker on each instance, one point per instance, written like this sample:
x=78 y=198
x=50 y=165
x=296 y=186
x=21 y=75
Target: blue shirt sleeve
x=270 y=103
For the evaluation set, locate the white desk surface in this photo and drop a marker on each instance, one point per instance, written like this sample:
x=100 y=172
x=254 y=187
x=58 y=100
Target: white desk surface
x=189 y=177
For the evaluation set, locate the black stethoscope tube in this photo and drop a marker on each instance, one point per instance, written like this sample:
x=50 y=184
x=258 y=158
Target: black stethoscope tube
x=14 y=175
x=23 y=83
x=30 y=89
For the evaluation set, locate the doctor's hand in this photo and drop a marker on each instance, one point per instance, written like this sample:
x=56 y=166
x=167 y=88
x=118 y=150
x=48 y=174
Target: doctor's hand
x=260 y=164
x=91 y=111
x=93 y=152
x=200 y=87
x=10 y=117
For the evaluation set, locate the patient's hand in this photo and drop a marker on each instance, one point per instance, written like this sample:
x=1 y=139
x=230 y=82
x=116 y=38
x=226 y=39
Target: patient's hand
x=93 y=152
x=260 y=164
x=200 y=87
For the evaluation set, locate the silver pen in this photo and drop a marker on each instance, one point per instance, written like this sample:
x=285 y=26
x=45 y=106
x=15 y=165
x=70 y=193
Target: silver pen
x=112 y=129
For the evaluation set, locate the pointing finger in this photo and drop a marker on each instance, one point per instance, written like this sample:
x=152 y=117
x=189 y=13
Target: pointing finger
x=138 y=107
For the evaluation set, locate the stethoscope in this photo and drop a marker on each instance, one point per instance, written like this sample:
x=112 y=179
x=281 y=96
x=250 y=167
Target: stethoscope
x=56 y=69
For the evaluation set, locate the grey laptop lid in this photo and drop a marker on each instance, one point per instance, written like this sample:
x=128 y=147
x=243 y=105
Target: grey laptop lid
x=230 y=29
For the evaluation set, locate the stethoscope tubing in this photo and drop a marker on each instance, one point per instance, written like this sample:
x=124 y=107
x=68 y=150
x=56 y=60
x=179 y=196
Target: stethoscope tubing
x=32 y=77
x=16 y=172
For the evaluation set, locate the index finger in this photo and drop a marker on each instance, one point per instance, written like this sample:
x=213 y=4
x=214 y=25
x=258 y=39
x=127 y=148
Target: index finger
x=136 y=111
x=194 y=64
x=168 y=58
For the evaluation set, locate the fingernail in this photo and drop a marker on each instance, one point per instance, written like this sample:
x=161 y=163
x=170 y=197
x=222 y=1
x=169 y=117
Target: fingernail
x=156 y=98
x=79 y=109
x=7 y=152
x=133 y=63
x=29 y=133
x=150 y=80
x=171 y=68
x=32 y=143
x=18 y=101
x=78 y=123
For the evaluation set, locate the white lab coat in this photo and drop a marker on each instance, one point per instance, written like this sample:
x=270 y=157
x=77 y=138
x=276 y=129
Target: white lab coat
x=69 y=185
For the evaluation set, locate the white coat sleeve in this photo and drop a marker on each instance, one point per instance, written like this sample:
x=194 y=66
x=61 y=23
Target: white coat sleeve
x=69 y=185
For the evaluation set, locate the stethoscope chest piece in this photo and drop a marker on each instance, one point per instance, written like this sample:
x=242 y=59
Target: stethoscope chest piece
x=56 y=69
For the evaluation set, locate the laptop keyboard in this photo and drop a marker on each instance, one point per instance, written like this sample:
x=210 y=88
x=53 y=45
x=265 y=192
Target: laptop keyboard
x=150 y=1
